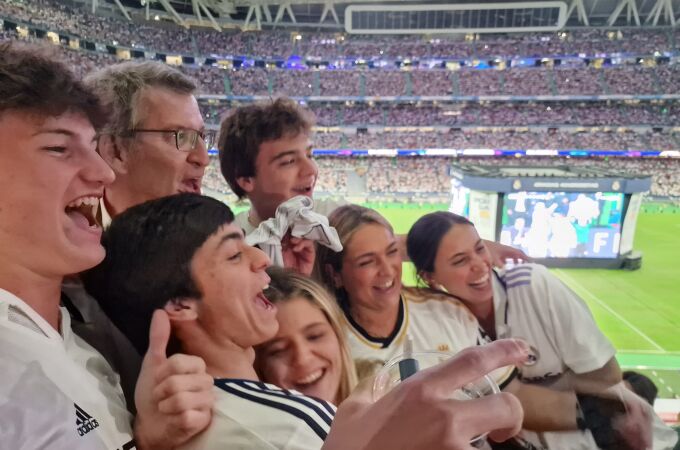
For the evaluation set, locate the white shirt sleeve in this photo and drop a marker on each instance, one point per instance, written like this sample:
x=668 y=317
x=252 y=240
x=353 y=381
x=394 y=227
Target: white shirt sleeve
x=582 y=345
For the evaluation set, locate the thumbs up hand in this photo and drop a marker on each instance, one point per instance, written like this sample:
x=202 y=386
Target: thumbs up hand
x=174 y=396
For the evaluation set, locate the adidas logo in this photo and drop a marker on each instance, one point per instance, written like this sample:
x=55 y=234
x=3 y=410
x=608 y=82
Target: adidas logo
x=84 y=421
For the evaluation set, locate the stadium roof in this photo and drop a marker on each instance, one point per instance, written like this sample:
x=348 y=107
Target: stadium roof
x=330 y=15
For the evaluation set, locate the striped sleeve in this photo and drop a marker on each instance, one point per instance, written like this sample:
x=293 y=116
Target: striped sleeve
x=317 y=415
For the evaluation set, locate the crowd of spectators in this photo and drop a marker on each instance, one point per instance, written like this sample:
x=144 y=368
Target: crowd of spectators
x=249 y=82
x=578 y=81
x=424 y=82
x=489 y=114
x=526 y=82
x=551 y=125
x=334 y=173
x=293 y=81
x=466 y=82
x=162 y=35
x=53 y=15
x=430 y=175
x=341 y=82
x=479 y=82
x=668 y=78
x=385 y=174
x=258 y=81
x=408 y=175
x=502 y=139
x=388 y=83
x=631 y=79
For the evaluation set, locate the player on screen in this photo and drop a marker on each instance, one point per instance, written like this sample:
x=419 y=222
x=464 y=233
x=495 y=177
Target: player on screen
x=538 y=235
x=563 y=238
x=583 y=210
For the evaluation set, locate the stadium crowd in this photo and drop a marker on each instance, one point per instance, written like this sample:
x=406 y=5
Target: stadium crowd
x=466 y=82
x=167 y=37
x=662 y=79
x=114 y=271
x=545 y=114
x=519 y=138
x=417 y=175
x=361 y=114
x=522 y=82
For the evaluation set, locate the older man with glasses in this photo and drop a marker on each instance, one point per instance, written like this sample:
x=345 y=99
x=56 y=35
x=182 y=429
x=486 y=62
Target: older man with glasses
x=156 y=141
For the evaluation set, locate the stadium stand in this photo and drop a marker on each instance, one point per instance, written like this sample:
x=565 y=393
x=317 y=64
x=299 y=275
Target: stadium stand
x=429 y=175
x=596 y=124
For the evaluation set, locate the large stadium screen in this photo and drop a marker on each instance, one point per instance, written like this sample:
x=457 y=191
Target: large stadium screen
x=563 y=224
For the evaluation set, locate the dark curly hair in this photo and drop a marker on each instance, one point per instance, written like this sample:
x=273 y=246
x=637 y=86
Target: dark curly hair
x=246 y=128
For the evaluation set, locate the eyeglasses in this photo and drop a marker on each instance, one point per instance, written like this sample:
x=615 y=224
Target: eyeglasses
x=185 y=139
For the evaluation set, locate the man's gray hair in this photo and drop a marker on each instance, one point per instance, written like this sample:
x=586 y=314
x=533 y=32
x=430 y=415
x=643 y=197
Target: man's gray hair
x=119 y=86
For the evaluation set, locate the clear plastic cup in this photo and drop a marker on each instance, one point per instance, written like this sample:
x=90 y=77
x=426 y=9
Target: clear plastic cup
x=390 y=376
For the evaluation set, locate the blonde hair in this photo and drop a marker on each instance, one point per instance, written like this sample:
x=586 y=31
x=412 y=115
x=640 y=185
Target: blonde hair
x=286 y=285
x=346 y=220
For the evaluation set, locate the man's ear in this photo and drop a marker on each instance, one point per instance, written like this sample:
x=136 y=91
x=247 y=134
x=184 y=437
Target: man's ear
x=246 y=183
x=181 y=310
x=334 y=275
x=111 y=150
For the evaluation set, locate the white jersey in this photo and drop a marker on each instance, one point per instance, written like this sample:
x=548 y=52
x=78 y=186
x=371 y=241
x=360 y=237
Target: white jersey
x=56 y=391
x=324 y=207
x=434 y=321
x=255 y=415
x=532 y=304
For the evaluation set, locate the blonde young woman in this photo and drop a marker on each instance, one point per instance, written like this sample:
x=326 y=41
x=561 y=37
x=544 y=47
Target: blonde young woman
x=379 y=312
x=310 y=352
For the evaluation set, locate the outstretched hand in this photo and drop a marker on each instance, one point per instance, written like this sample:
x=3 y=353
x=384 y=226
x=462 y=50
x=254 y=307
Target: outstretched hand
x=421 y=412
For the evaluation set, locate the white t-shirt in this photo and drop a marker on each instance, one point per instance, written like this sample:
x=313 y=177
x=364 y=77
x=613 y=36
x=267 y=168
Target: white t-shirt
x=324 y=207
x=255 y=415
x=435 y=322
x=56 y=391
x=533 y=304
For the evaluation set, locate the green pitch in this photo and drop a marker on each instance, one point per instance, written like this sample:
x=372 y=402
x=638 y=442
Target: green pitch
x=639 y=311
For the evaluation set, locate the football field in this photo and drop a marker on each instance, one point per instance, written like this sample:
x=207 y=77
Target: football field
x=639 y=311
